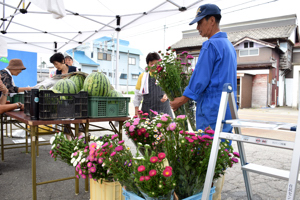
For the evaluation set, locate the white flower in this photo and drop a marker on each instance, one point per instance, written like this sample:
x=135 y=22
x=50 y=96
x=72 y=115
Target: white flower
x=99 y=143
x=80 y=153
x=75 y=163
x=59 y=134
x=75 y=148
x=72 y=155
x=72 y=160
x=78 y=159
x=52 y=140
x=55 y=134
x=92 y=137
x=53 y=146
x=83 y=160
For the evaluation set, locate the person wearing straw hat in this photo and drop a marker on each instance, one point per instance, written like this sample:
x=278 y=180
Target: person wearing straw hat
x=14 y=68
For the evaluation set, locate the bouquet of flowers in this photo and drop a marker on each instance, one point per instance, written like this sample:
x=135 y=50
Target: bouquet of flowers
x=119 y=160
x=141 y=130
x=173 y=76
x=88 y=161
x=188 y=154
x=62 y=148
x=153 y=178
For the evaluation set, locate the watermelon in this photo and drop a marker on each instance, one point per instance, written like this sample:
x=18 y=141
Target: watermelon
x=114 y=93
x=97 y=84
x=78 y=79
x=66 y=86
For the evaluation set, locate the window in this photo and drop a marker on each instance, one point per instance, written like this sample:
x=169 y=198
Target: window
x=110 y=74
x=104 y=73
x=131 y=61
x=134 y=76
x=104 y=56
x=123 y=76
x=92 y=54
x=248 y=45
x=249 y=52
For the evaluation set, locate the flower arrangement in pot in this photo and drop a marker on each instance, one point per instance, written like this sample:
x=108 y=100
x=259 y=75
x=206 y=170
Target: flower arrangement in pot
x=141 y=130
x=153 y=178
x=188 y=154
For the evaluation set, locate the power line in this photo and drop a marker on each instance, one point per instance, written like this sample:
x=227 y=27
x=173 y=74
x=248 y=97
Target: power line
x=186 y=20
x=106 y=7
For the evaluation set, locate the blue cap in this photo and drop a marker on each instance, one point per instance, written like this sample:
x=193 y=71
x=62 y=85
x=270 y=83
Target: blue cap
x=206 y=9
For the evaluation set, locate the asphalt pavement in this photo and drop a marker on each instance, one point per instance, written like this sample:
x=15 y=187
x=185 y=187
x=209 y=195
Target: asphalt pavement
x=15 y=181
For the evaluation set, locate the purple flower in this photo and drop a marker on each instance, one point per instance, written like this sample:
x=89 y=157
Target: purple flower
x=235 y=160
x=184 y=52
x=183 y=63
x=189 y=57
x=154 y=112
x=112 y=154
x=93 y=169
x=119 y=148
x=236 y=154
x=121 y=142
x=105 y=145
x=114 y=136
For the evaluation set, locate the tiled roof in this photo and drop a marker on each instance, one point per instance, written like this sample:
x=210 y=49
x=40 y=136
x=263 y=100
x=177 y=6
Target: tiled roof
x=257 y=33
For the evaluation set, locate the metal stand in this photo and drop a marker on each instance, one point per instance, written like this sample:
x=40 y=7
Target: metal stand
x=291 y=176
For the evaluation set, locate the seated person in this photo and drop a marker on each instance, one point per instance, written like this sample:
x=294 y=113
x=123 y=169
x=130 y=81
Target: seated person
x=3 y=97
x=58 y=60
x=14 y=67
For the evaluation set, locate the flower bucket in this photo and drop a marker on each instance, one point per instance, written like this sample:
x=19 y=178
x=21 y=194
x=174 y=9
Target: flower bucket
x=199 y=195
x=169 y=196
x=105 y=191
x=131 y=196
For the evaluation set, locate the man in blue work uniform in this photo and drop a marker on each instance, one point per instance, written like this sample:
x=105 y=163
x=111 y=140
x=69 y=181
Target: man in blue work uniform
x=217 y=64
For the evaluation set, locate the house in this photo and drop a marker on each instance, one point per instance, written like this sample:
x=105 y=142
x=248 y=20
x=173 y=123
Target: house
x=100 y=55
x=264 y=56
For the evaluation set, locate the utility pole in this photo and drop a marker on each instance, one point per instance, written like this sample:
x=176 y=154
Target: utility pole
x=127 y=70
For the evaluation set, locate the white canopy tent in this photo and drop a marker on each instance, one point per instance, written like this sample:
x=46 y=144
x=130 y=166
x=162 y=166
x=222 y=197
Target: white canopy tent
x=27 y=27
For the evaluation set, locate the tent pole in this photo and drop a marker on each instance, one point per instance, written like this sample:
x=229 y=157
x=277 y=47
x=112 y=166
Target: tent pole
x=3 y=16
x=117 y=61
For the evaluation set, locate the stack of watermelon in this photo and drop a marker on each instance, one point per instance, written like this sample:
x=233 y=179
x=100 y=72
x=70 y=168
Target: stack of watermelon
x=97 y=84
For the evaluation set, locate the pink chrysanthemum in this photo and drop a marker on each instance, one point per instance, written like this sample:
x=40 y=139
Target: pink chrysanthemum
x=167 y=173
x=172 y=126
x=142 y=178
x=131 y=128
x=119 y=148
x=161 y=156
x=153 y=159
x=152 y=172
x=141 y=168
x=112 y=154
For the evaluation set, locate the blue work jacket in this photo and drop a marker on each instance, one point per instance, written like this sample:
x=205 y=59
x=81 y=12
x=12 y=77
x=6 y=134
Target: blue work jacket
x=217 y=64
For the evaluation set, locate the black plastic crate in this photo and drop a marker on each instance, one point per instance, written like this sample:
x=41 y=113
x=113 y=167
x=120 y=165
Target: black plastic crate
x=27 y=99
x=61 y=105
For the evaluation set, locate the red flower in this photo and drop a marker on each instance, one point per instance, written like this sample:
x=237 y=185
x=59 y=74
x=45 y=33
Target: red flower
x=141 y=168
x=161 y=155
x=167 y=173
x=142 y=178
x=147 y=178
x=159 y=68
x=153 y=159
x=152 y=172
x=168 y=168
x=143 y=130
x=169 y=48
